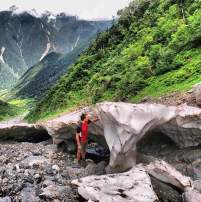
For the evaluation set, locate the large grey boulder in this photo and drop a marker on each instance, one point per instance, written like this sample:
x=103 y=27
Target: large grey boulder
x=165 y=173
x=168 y=174
x=192 y=195
x=134 y=185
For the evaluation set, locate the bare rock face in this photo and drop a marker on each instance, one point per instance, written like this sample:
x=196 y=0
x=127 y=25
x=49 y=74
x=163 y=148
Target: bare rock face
x=197 y=93
x=134 y=185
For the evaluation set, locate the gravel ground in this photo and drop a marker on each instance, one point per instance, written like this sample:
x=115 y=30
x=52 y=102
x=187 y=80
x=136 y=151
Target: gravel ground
x=37 y=172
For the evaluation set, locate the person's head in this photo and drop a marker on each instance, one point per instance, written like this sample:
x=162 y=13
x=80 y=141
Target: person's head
x=84 y=117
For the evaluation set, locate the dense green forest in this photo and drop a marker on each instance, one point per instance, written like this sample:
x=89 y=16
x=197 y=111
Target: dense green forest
x=153 y=49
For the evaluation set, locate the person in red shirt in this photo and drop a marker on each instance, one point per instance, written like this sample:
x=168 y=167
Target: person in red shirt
x=82 y=136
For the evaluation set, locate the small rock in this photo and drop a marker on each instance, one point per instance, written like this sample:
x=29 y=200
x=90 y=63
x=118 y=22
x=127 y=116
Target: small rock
x=56 y=167
x=50 y=192
x=47 y=183
x=5 y=199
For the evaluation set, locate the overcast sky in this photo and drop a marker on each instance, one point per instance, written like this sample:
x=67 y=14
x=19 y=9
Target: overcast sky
x=87 y=9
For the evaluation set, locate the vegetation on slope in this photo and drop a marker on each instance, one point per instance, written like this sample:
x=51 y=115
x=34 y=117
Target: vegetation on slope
x=154 y=49
x=7 y=76
x=13 y=109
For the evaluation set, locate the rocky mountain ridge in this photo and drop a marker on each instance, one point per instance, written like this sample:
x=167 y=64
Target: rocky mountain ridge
x=26 y=39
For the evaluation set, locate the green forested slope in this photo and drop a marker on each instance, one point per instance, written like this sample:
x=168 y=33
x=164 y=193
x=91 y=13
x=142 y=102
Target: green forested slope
x=154 y=49
x=12 y=109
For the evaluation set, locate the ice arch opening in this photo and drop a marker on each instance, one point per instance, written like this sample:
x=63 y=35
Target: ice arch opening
x=154 y=144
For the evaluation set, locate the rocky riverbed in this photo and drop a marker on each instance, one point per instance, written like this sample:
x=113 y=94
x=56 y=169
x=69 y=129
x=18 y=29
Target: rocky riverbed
x=37 y=172
x=144 y=134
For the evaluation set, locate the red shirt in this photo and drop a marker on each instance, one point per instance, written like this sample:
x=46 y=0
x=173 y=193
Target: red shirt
x=84 y=130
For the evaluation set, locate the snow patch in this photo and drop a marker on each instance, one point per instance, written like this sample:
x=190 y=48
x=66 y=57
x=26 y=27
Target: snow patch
x=20 y=43
x=1 y=54
x=46 y=50
x=75 y=45
x=32 y=12
x=42 y=25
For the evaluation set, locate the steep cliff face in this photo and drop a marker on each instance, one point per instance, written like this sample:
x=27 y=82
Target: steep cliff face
x=7 y=76
x=40 y=77
x=26 y=39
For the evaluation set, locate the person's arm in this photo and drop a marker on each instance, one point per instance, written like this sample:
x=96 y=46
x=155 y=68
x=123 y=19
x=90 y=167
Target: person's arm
x=95 y=118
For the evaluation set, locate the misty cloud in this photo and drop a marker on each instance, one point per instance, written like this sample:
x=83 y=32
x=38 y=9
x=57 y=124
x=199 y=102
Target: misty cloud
x=87 y=9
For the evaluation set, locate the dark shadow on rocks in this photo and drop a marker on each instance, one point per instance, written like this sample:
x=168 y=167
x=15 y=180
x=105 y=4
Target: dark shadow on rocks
x=156 y=144
x=166 y=192
x=31 y=135
x=67 y=146
x=95 y=151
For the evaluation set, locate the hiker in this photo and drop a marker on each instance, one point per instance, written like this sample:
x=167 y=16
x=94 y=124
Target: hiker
x=82 y=136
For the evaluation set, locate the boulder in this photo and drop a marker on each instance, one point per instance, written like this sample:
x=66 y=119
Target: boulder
x=192 y=195
x=166 y=173
x=28 y=194
x=166 y=192
x=134 y=185
x=34 y=161
x=50 y=192
x=53 y=192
